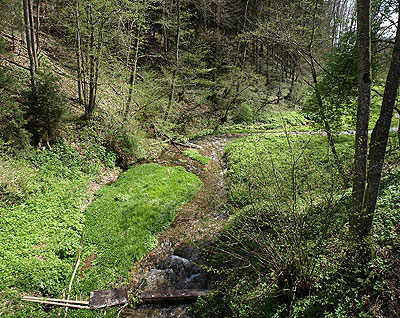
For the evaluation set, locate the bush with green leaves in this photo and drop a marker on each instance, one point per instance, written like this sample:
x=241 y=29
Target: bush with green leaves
x=13 y=134
x=46 y=106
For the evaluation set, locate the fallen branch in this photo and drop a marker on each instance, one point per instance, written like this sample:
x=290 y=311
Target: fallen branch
x=14 y=63
x=73 y=274
x=49 y=302
x=33 y=298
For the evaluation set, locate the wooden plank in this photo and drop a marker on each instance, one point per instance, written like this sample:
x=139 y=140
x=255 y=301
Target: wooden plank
x=180 y=294
x=110 y=297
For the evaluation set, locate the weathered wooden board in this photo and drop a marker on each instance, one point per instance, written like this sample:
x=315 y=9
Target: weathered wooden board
x=107 y=298
x=180 y=294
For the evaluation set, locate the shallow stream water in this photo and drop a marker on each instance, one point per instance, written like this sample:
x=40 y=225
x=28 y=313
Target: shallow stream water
x=176 y=262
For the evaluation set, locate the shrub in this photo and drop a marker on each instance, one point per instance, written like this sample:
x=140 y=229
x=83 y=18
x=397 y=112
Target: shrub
x=12 y=116
x=46 y=106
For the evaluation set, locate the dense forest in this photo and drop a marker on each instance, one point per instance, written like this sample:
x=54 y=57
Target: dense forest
x=303 y=94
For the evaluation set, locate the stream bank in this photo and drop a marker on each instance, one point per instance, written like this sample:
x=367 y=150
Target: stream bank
x=176 y=262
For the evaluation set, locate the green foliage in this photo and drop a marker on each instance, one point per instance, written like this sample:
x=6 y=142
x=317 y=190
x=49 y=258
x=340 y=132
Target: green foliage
x=13 y=134
x=283 y=250
x=270 y=120
x=194 y=154
x=41 y=222
x=41 y=219
x=287 y=233
x=128 y=142
x=338 y=91
x=46 y=106
x=123 y=222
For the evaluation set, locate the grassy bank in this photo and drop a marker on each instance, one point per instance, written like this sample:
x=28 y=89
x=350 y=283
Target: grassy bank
x=42 y=220
x=282 y=252
x=123 y=222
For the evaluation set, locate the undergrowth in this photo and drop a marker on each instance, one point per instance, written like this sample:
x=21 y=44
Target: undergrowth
x=42 y=220
x=282 y=253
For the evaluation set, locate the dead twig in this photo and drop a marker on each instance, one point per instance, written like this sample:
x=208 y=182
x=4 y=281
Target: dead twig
x=74 y=273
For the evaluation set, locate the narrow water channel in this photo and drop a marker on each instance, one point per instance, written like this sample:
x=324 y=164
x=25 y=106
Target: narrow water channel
x=176 y=262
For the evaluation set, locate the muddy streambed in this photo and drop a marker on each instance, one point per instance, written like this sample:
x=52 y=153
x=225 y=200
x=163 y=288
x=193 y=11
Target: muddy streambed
x=176 y=261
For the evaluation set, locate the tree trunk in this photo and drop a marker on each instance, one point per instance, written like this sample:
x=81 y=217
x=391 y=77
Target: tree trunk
x=92 y=61
x=357 y=215
x=132 y=80
x=27 y=5
x=379 y=139
x=33 y=35
x=327 y=128
x=37 y=22
x=81 y=92
x=174 y=75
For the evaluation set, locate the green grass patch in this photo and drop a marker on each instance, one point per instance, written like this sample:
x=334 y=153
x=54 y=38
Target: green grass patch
x=41 y=222
x=265 y=161
x=123 y=222
x=194 y=155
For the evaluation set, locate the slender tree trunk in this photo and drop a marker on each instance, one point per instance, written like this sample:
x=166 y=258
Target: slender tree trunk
x=327 y=129
x=33 y=35
x=37 y=22
x=99 y=51
x=357 y=215
x=132 y=80
x=174 y=75
x=92 y=65
x=28 y=31
x=379 y=139
x=82 y=99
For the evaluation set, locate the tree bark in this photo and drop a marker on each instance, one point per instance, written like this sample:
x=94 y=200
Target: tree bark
x=79 y=62
x=379 y=138
x=132 y=80
x=174 y=75
x=30 y=44
x=357 y=215
x=92 y=60
x=33 y=35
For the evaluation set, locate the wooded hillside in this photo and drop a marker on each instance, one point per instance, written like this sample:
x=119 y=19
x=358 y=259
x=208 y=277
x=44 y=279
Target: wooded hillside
x=91 y=88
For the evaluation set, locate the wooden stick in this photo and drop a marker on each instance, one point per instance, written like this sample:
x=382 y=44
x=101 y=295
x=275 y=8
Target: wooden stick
x=82 y=302
x=73 y=274
x=57 y=303
x=59 y=311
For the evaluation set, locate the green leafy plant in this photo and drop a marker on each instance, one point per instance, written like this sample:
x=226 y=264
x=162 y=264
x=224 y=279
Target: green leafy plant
x=194 y=154
x=46 y=106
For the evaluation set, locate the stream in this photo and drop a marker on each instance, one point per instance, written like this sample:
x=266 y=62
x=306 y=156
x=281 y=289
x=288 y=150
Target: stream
x=176 y=261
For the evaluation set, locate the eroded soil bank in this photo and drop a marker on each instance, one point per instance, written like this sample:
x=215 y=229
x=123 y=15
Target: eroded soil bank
x=176 y=262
